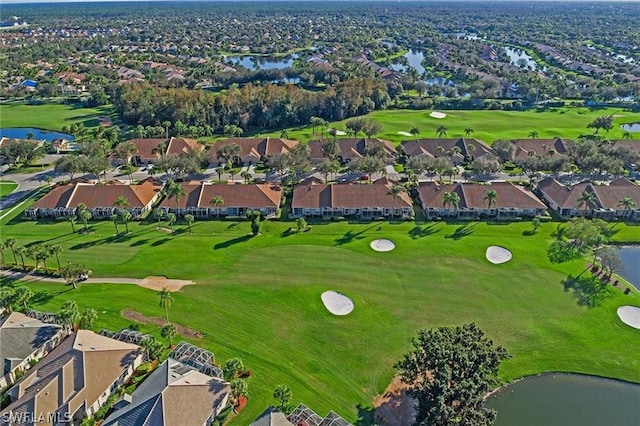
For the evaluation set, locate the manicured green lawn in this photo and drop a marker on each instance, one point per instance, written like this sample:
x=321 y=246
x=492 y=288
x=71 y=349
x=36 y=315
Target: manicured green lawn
x=49 y=116
x=259 y=299
x=7 y=187
x=487 y=125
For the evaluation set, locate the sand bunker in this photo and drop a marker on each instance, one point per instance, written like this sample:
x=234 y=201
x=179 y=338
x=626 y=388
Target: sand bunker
x=337 y=303
x=630 y=315
x=158 y=283
x=497 y=255
x=405 y=133
x=382 y=245
x=436 y=114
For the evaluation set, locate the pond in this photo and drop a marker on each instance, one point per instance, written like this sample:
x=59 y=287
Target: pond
x=631 y=264
x=631 y=128
x=415 y=60
x=520 y=58
x=253 y=63
x=38 y=134
x=567 y=399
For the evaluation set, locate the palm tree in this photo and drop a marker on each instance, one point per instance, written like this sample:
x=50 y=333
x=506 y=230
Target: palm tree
x=468 y=131
x=43 y=254
x=174 y=189
x=160 y=150
x=22 y=252
x=451 y=199
x=166 y=125
x=85 y=215
x=171 y=218
x=395 y=192
x=217 y=201
x=626 y=135
x=414 y=131
x=114 y=219
x=533 y=134
x=441 y=131
x=169 y=331
x=56 y=250
x=72 y=220
x=284 y=134
x=189 y=219
x=23 y=296
x=122 y=202
x=157 y=213
x=126 y=217
x=219 y=172
x=10 y=243
x=626 y=202
x=166 y=300
x=490 y=197
x=30 y=136
x=585 y=199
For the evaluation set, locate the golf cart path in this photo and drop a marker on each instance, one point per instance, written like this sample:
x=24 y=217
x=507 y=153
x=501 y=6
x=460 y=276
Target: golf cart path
x=152 y=282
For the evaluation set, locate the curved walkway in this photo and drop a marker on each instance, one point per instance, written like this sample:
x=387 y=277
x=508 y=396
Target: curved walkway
x=152 y=283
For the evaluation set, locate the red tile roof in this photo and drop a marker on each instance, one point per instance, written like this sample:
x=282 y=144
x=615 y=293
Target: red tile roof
x=538 y=146
x=313 y=195
x=610 y=195
x=173 y=146
x=351 y=148
x=472 y=195
x=429 y=147
x=254 y=147
x=101 y=195
x=565 y=196
x=200 y=194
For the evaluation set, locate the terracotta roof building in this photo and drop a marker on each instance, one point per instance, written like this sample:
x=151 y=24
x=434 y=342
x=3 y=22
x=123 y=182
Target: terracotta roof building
x=73 y=381
x=606 y=199
x=174 y=394
x=351 y=149
x=24 y=339
x=364 y=201
x=149 y=149
x=236 y=199
x=252 y=150
x=99 y=198
x=524 y=148
x=457 y=149
x=512 y=201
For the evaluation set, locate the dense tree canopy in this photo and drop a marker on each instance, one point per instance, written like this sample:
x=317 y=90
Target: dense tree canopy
x=449 y=370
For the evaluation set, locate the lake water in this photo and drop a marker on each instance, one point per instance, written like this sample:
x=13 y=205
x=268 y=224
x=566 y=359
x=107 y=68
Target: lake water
x=567 y=399
x=631 y=263
x=415 y=60
x=633 y=127
x=520 y=58
x=38 y=134
x=263 y=62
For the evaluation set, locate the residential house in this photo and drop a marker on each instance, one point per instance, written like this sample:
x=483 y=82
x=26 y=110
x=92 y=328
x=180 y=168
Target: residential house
x=606 y=200
x=525 y=148
x=24 y=340
x=174 y=394
x=62 y=145
x=350 y=149
x=252 y=150
x=236 y=199
x=63 y=200
x=150 y=150
x=457 y=149
x=363 y=201
x=73 y=381
x=512 y=201
x=272 y=417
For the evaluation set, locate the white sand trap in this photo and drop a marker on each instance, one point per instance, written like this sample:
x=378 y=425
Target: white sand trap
x=382 y=245
x=630 y=315
x=405 y=133
x=337 y=303
x=436 y=114
x=497 y=255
